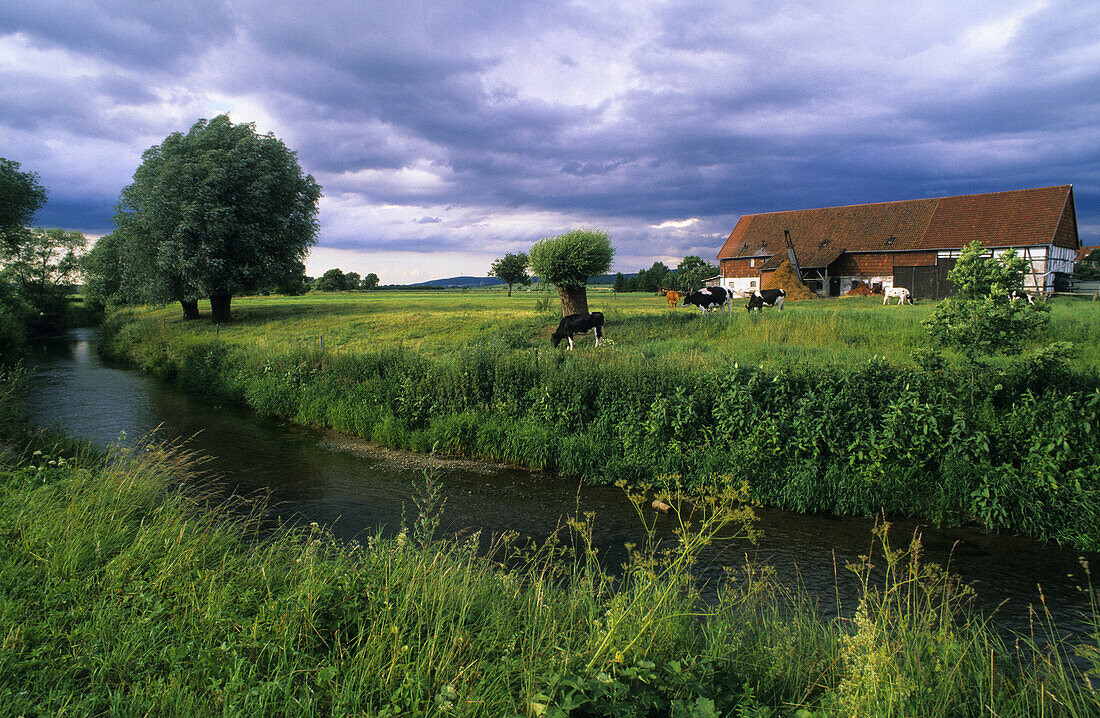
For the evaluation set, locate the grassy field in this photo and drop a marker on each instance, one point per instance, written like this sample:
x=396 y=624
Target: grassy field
x=839 y=331
x=121 y=595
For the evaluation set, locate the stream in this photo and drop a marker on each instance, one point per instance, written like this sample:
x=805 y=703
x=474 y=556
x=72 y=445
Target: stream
x=357 y=489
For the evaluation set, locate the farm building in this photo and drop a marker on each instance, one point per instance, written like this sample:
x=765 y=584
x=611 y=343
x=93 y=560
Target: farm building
x=911 y=243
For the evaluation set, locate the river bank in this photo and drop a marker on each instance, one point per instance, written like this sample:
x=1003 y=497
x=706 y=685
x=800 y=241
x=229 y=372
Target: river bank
x=117 y=596
x=1010 y=451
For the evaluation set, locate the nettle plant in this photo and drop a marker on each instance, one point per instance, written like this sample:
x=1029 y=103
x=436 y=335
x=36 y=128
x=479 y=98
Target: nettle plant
x=982 y=319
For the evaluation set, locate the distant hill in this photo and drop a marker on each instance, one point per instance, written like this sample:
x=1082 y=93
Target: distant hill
x=460 y=282
x=452 y=282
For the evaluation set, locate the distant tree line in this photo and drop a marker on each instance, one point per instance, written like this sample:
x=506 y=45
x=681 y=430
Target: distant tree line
x=690 y=275
x=335 y=280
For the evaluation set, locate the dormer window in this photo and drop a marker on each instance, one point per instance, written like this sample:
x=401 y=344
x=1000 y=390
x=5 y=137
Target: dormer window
x=890 y=240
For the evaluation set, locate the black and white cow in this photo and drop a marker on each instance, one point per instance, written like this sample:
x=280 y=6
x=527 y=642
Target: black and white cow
x=771 y=297
x=1020 y=294
x=578 y=324
x=711 y=298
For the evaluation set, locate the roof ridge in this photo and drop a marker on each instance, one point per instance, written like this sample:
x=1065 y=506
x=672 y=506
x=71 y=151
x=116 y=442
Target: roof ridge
x=915 y=199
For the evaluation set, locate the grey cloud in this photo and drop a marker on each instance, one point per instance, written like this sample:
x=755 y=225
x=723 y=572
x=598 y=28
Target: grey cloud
x=735 y=107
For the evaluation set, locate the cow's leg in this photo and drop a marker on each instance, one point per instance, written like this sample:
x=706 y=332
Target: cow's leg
x=570 y=338
x=599 y=333
x=779 y=303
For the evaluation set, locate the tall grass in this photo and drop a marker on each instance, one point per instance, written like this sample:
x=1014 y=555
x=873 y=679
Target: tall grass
x=122 y=592
x=810 y=429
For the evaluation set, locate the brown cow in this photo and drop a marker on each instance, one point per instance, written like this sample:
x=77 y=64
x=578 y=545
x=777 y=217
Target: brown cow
x=673 y=298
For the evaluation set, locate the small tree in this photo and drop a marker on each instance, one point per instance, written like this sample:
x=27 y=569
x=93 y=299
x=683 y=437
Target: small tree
x=21 y=196
x=981 y=319
x=568 y=260
x=621 y=284
x=103 y=272
x=43 y=270
x=351 y=281
x=654 y=277
x=370 y=281
x=511 y=268
x=331 y=281
x=692 y=273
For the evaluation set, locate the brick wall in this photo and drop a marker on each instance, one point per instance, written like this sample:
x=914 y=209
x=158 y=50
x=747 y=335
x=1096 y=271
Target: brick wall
x=739 y=267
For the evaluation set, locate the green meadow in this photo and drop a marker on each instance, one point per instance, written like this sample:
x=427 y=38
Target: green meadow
x=839 y=331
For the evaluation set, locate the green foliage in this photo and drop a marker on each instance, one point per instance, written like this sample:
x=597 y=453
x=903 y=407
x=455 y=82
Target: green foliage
x=692 y=273
x=370 y=281
x=21 y=196
x=332 y=280
x=981 y=319
x=569 y=259
x=216 y=212
x=512 y=269
x=650 y=280
x=1089 y=267
x=16 y=317
x=103 y=272
x=43 y=269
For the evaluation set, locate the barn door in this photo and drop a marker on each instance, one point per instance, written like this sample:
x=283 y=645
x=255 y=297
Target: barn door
x=926 y=282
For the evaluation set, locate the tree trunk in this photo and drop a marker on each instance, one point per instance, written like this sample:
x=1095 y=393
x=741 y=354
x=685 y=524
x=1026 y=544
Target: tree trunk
x=190 y=308
x=573 y=300
x=509 y=289
x=219 y=308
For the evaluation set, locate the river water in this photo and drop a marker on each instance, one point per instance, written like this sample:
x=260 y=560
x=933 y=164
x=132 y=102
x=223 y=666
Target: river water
x=357 y=489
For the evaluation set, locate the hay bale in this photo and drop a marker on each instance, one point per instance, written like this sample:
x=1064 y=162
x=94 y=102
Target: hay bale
x=859 y=289
x=785 y=278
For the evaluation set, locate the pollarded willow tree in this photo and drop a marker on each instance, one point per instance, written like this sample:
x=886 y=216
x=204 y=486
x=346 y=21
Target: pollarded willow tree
x=568 y=260
x=216 y=212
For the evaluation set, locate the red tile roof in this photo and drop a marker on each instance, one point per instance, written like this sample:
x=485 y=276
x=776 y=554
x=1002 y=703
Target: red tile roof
x=1017 y=218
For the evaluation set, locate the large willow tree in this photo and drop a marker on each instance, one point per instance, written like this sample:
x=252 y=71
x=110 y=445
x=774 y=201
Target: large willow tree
x=213 y=213
x=568 y=260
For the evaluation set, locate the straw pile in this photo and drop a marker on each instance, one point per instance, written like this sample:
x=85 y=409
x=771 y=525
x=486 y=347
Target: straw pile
x=859 y=289
x=784 y=278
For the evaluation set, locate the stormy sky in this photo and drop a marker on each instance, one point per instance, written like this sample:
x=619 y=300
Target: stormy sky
x=446 y=134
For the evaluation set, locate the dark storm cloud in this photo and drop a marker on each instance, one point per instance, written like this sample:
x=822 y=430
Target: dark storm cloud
x=145 y=35
x=478 y=126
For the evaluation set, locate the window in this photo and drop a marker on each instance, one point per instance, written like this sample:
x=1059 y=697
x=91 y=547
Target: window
x=752 y=284
x=752 y=262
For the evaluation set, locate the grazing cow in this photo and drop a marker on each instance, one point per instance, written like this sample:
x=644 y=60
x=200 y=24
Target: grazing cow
x=901 y=293
x=578 y=324
x=711 y=298
x=673 y=297
x=1020 y=294
x=771 y=297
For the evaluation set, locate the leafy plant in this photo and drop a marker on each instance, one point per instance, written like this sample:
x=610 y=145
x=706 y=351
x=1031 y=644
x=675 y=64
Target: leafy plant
x=982 y=319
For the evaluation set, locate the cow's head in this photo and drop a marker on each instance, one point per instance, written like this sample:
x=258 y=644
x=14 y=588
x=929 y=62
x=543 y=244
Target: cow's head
x=555 y=339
